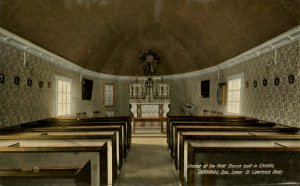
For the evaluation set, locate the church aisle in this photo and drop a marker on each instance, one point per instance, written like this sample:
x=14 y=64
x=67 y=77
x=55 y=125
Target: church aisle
x=148 y=163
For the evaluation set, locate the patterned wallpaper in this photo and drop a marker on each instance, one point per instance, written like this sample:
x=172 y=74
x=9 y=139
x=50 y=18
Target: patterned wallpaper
x=21 y=103
x=279 y=104
x=188 y=90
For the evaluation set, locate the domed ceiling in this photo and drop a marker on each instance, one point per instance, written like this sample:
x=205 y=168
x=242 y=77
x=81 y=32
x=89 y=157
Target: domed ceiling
x=111 y=36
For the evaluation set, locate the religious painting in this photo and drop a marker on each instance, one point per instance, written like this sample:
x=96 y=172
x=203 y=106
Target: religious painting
x=41 y=84
x=276 y=81
x=87 y=89
x=291 y=79
x=205 y=89
x=109 y=95
x=254 y=83
x=265 y=82
x=17 y=80
x=29 y=82
x=247 y=84
x=2 y=77
x=49 y=84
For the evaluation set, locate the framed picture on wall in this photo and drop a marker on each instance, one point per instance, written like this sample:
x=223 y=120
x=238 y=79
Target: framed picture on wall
x=108 y=95
x=265 y=82
x=87 y=89
x=17 y=80
x=276 y=81
x=29 y=82
x=205 y=89
x=291 y=79
x=2 y=77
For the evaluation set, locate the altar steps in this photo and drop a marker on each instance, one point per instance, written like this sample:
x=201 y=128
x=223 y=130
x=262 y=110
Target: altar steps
x=147 y=130
x=149 y=135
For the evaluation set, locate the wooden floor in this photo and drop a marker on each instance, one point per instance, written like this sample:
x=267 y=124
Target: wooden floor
x=148 y=163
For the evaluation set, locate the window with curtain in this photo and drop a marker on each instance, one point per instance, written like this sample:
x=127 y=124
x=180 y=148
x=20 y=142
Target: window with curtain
x=63 y=96
x=234 y=95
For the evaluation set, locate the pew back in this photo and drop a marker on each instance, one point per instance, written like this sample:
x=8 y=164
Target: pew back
x=60 y=139
x=173 y=124
x=253 y=164
x=224 y=141
x=88 y=130
x=57 y=157
x=224 y=129
x=54 y=176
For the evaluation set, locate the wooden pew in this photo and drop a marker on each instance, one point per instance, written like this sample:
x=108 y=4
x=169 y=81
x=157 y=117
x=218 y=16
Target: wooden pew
x=52 y=176
x=76 y=123
x=59 y=140
x=124 y=121
x=85 y=126
x=191 y=128
x=248 y=122
x=182 y=118
x=58 y=157
x=171 y=118
x=226 y=140
x=259 y=162
x=185 y=137
x=89 y=130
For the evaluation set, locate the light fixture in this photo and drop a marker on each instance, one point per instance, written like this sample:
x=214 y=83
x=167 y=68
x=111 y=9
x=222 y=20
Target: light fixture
x=26 y=63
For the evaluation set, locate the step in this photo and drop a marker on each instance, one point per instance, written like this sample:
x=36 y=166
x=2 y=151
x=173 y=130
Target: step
x=147 y=135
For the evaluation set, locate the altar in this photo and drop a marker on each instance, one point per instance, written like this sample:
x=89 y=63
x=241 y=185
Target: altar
x=149 y=98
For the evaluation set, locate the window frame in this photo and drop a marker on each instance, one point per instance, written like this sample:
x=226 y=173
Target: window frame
x=236 y=76
x=64 y=79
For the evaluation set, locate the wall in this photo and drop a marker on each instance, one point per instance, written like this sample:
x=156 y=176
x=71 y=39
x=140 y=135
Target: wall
x=188 y=90
x=279 y=104
x=21 y=103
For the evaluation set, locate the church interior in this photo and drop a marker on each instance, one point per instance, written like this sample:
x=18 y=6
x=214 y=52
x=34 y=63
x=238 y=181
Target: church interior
x=149 y=92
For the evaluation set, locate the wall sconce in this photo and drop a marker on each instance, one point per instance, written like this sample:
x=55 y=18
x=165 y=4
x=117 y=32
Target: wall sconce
x=26 y=64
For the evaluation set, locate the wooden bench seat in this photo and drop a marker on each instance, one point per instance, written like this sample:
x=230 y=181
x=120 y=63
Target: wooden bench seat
x=184 y=137
x=126 y=119
x=173 y=118
x=192 y=128
x=247 y=123
x=52 y=176
x=88 y=130
x=243 y=163
x=59 y=140
x=226 y=141
x=126 y=124
x=190 y=119
x=86 y=126
x=12 y=158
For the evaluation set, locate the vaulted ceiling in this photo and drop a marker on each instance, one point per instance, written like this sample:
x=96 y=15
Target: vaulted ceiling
x=109 y=36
